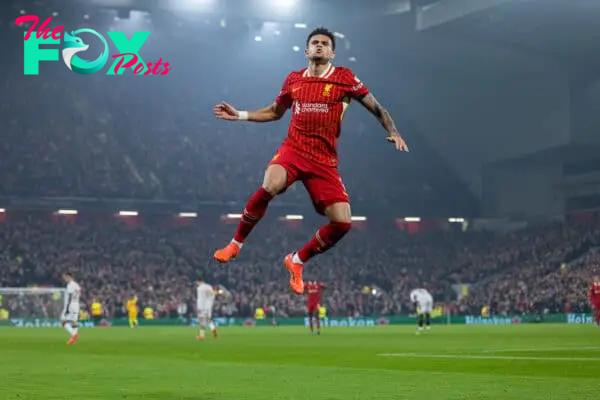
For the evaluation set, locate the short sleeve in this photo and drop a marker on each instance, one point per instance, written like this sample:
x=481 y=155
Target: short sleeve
x=285 y=97
x=358 y=90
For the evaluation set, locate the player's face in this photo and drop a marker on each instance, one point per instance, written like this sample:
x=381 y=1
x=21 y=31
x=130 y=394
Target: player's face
x=66 y=278
x=319 y=49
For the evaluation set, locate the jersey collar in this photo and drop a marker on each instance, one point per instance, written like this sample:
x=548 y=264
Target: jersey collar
x=326 y=74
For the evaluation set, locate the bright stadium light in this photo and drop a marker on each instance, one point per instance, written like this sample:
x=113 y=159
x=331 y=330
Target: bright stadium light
x=294 y=217
x=358 y=218
x=188 y=214
x=285 y=4
x=352 y=59
x=296 y=48
x=128 y=213
x=257 y=39
x=299 y=25
x=412 y=219
x=234 y=216
x=340 y=35
x=67 y=212
x=2 y=210
x=460 y=220
x=86 y=16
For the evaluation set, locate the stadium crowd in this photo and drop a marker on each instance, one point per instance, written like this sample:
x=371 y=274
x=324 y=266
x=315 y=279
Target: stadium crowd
x=535 y=270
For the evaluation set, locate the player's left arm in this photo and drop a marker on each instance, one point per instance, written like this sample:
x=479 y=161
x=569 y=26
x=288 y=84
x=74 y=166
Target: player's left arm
x=385 y=119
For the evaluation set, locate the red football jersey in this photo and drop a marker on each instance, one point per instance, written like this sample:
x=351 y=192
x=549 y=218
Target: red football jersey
x=318 y=104
x=313 y=292
x=594 y=293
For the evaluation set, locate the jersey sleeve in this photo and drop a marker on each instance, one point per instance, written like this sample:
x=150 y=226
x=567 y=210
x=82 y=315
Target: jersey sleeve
x=357 y=90
x=285 y=95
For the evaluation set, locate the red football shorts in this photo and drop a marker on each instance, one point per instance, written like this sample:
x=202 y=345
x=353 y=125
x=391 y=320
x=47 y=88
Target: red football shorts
x=323 y=183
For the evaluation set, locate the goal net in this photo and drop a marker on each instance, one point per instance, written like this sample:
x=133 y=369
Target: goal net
x=31 y=306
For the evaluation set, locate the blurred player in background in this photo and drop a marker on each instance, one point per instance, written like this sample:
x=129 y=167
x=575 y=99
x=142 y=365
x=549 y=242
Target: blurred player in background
x=132 y=311
x=313 y=303
x=423 y=301
x=594 y=297
x=319 y=96
x=70 y=315
x=205 y=299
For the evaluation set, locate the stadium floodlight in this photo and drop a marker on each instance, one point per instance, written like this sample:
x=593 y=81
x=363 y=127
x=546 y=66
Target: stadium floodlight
x=352 y=59
x=294 y=217
x=299 y=25
x=339 y=35
x=358 y=218
x=188 y=214
x=257 y=39
x=460 y=220
x=2 y=210
x=128 y=213
x=285 y=4
x=412 y=219
x=86 y=16
x=55 y=14
x=67 y=212
x=296 y=48
x=234 y=216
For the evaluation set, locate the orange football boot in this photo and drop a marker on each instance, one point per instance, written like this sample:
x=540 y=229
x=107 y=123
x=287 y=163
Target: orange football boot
x=227 y=253
x=199 y=337
x=73 y=339
x=295 y=271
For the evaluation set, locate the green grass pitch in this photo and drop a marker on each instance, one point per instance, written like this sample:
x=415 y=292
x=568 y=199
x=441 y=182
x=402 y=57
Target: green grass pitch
x=459 y=362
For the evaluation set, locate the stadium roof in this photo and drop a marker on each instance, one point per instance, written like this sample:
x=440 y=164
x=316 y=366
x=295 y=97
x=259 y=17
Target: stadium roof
x=565 y=31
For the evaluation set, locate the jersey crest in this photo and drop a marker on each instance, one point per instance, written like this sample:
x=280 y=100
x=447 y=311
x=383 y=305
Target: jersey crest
x=327 y=90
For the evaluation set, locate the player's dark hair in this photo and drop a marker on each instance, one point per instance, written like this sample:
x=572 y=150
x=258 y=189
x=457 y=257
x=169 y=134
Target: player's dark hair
x=324 y=32
x=69 y=274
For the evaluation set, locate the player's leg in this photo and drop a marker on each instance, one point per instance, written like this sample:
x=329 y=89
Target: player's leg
x=73 y=329
x=420 y=327
x=211 y=324
x=329 y=197
x=201 y=325
x=310 y=320
x=428 y=321
x=67 y=325
x=318 y=319
x=130 y=318
x=597 y=315
x=279 y=175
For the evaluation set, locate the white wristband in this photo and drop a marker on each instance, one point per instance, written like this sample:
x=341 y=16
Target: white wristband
x=243 y=115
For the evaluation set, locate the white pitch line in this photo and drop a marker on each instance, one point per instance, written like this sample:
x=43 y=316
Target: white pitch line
x=551 y=349
x=474 y=357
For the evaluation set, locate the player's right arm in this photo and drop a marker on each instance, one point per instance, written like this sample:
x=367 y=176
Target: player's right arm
x=270 y=113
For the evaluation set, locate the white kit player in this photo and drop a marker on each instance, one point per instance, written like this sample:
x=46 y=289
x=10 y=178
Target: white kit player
x=70 y=315
x=205 y=296
x=423 y=300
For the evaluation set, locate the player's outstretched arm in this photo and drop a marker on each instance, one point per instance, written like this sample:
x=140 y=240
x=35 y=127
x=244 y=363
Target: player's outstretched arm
x=270 y=113
x=385 y=119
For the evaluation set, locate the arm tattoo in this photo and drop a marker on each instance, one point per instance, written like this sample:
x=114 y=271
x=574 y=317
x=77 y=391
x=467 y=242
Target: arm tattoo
x=382 y=115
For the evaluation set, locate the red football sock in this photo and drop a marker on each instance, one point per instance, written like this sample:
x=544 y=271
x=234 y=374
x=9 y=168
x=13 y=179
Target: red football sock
x=255 y=209
x=325 y=238
x=310 y=318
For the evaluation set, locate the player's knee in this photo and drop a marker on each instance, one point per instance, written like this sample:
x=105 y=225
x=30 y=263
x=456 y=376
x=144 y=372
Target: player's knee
x=340 y=229
x=275 y=180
